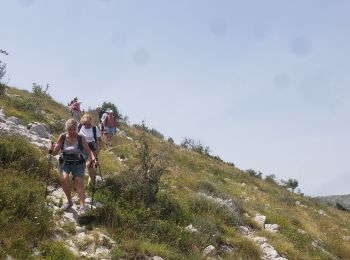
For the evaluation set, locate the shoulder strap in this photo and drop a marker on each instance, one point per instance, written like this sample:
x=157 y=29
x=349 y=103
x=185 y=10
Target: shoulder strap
x=79 y=127
x=94 y=131
x=80 y=143
x=63 y=138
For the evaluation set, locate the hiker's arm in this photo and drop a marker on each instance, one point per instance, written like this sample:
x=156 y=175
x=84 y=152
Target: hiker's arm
x=99 y=142
x=87 y=149
x=57 y=146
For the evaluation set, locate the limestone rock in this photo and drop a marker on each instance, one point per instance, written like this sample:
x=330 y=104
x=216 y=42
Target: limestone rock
x=244 y=230
x=102 y=252
x=226 y=249
x=346 y=238
x=155 y=258
x=14 y=120
x=40 y=130
x=261 y=220
x=209 y=251
x=273 y=228
x=191 y=229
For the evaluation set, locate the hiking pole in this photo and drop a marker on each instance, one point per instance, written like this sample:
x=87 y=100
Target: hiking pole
x=99 y=169
x=93 y=187
x=48 y=171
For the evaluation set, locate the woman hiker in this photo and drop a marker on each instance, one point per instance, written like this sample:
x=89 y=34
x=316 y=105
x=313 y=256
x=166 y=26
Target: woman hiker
x=72 y=161
x=93 y=139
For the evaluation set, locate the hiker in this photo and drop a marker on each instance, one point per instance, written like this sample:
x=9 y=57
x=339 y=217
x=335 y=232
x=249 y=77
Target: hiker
x=75 y=107
x=72 y=161
x=93 y=139
x=110 y=125
x=100 y=113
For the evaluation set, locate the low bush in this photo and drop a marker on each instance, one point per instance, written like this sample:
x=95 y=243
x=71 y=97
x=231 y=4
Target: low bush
x=55 y=250
x=19 y=154
x=2 y=90
x=24 y=218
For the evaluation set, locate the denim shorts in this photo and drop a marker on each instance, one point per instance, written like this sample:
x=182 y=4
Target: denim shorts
x=109 y=130
x=76 y=169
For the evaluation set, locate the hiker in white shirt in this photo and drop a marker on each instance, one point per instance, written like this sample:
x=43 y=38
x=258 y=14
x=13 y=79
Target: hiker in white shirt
x=93 y=138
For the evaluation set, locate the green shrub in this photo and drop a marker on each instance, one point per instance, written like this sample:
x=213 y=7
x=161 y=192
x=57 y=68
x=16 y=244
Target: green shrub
x=168 y=208
x=19 y=154
x=253 y=173
x=55 y=250
x=208 y=187
x=117 y=114
x=2 y=90
x=24 y=217
x=196 y=146
x=38 y=92
x=143 y=127
x=142 y=180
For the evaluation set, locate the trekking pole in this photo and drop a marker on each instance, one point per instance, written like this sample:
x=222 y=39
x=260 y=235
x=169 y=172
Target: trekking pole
x=93 y=187
x=99 y=169
x=48 y=171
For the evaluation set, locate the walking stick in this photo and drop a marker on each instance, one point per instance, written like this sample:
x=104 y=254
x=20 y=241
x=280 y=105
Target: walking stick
x=99 y=169
x=48 y=171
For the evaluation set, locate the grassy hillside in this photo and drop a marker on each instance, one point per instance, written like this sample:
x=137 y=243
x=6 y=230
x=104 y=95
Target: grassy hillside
x=156 y=190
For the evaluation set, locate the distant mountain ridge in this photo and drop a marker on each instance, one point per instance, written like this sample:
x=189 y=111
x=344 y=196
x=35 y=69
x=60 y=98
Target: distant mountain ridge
x=344 y=200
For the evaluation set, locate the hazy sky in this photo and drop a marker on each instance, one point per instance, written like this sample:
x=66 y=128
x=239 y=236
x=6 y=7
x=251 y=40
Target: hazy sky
x=265 y=84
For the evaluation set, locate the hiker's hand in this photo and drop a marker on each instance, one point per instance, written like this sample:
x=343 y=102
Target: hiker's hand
x=96 y=162
x=52 y=148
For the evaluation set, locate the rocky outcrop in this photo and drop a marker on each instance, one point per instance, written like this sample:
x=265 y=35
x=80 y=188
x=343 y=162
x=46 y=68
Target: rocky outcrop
x=40 y=130
x=81 y=242
x=13 y=126
x=269 y=253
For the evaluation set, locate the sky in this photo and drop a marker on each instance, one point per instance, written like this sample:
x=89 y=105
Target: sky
x=264 y=84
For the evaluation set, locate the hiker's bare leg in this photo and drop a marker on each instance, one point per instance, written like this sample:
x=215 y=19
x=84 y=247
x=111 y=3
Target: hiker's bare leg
x=79 y=185
x=65 y=185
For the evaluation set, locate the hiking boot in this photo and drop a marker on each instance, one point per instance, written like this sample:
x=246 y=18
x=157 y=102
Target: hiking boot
x=82 y=211
x=66 y=206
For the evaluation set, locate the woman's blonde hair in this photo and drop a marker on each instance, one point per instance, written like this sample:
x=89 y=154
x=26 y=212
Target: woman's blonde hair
x=71 y=123
x=86 y=117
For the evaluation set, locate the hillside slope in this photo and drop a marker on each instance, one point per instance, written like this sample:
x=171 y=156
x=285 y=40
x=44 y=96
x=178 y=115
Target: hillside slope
x=161 y=199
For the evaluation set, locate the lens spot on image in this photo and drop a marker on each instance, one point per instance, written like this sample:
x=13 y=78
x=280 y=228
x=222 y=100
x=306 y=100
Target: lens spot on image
x=281 y=81
x=260 y=31
x=26 y=3
x=300 y=46
x=140 y=57
x=219 y=28
x=119 y=39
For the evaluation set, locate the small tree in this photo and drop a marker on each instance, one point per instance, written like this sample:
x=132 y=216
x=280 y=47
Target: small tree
x=271 y=178
x=196 y=146
x=2 y=74
x=38 y=92
x=117 y=114
x=253 y=173
x=292 y=184
x=143 y=179
x=2 y=65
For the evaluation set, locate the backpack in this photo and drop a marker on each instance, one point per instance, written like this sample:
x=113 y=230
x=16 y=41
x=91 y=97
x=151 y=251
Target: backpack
x=93 y=130
x=80 y=142
x=107 y=119
x=100 y=114
x=72 y=158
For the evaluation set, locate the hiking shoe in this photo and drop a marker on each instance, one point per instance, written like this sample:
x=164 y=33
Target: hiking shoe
x=66 y=206
x=82 y=211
